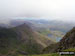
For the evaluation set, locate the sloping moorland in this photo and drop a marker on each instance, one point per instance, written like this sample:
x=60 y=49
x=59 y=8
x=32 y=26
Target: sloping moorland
x=23 y=40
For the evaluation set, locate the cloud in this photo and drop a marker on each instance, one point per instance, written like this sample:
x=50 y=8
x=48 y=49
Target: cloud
x=49 y=9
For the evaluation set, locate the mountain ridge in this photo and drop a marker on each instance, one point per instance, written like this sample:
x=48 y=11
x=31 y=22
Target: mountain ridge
x=23 y=40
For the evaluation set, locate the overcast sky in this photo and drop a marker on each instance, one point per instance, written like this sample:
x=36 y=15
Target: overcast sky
x=49 y=9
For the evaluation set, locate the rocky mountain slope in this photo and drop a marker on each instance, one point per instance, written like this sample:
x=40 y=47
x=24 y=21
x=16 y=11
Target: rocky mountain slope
x=21 y=40
x=67 y=42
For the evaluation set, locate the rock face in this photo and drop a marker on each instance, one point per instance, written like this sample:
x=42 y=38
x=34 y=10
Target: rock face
x=23 y=39
x=68 y=41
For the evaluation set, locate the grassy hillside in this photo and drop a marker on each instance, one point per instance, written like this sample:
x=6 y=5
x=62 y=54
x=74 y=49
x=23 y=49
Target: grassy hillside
x=53 y=35
x=8 y=41
x=21 y=40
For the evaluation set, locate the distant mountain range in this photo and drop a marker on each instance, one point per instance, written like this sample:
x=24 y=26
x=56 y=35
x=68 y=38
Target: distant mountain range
x=53 y=29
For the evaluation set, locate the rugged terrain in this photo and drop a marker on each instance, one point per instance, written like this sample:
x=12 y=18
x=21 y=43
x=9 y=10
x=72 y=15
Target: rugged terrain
x=21 y=40
x=67 y=43
x=53 y=29
x=26 y=38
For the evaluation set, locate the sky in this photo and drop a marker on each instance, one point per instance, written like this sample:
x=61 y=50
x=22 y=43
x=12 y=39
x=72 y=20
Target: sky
x=38 y=9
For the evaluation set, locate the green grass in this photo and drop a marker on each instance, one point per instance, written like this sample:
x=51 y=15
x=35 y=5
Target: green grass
x=70 y=49
x=45 y=32
x=53 y=54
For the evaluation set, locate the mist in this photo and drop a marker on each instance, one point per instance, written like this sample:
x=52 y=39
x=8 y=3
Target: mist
x=37 y=9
